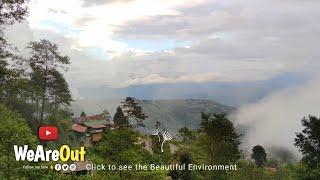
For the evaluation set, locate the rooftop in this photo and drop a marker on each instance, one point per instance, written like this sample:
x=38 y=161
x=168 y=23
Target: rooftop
x=79 y=128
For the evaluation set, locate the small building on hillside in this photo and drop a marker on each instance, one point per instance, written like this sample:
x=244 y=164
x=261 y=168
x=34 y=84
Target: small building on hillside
x=89 y=129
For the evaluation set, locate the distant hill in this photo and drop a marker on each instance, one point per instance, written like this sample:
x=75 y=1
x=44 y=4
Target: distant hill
x=172 y=114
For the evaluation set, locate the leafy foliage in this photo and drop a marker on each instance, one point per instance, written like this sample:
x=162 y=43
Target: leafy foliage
x=119 y=119
x=222 y=140
x=13 y=11
x=181 y=157
x=132 y=109
x=13 y=131
x=308 y=141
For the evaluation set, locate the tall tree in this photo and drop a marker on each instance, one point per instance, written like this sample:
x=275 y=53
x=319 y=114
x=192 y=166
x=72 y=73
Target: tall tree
x=259 y=155
x=120 y=119
x=45 y=60
x=222 y=140
x=132 y=109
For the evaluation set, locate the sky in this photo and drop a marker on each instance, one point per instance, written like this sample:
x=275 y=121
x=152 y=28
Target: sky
x=120 y=43
x=253 y=54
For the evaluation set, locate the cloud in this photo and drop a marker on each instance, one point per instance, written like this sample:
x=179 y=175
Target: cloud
x=94 y=26
x=222 y=41
x=274 y=120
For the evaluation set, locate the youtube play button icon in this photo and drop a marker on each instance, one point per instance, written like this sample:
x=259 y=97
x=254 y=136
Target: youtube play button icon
x=48 y=133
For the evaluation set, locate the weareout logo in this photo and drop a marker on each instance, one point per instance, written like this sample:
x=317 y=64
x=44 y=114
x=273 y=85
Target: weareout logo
x=65 y=153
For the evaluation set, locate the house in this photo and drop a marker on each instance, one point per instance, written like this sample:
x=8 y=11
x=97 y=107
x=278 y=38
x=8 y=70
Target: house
x=89 y=129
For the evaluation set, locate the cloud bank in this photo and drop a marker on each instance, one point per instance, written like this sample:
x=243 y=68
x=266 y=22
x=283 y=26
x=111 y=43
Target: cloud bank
x=138 y=42
x=274 y=120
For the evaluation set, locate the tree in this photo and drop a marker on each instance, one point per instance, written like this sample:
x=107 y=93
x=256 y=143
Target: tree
x=83 y=114
x=13 y=11
x=119 y=119
x=59 y=90
x=308 y=142
x=221 y=138
x=44 y=62
x=118 y=148
x=259 y=155
x=132 y=109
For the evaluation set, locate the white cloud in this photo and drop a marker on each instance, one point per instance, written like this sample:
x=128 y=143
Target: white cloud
x=274 y=120
x=94 y=26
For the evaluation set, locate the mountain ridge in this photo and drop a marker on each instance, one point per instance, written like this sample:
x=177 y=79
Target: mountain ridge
x=173 y=114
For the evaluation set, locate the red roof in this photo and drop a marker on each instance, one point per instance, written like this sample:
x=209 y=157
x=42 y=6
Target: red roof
x=79 y=128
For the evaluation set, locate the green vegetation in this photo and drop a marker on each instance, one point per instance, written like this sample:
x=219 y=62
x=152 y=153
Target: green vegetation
x=119 y=119
x=308 y=142
x=10 y=124
x=133 y=110
x=33 y=91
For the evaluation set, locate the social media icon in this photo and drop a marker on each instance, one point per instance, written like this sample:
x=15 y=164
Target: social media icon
x=57 y=167
x=48 y=133
x=65 y=167
x=73 y=167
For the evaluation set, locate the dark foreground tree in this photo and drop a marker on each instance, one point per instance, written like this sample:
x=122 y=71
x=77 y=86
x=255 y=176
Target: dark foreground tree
x=222 y=140
x=308 y=141
x=259 y=155
x=119 y=119
x=182 y=156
